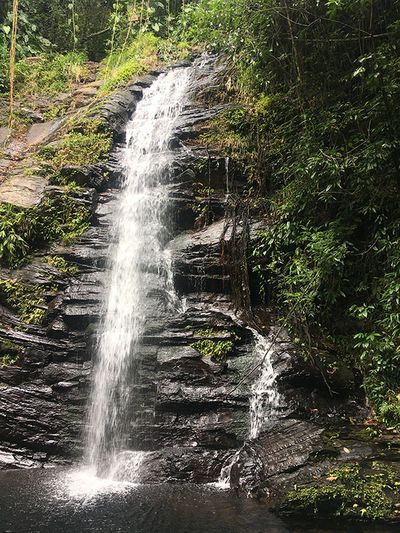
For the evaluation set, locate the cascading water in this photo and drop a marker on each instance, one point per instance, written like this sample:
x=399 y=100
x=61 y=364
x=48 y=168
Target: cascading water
x=264 y=400
x=136 y=249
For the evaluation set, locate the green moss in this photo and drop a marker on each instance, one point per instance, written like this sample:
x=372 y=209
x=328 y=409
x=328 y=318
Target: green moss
x=59 y=217
x=27 y=300
x=350 y=491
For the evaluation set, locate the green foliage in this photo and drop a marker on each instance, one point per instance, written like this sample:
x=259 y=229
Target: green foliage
x=8 y=360
x=87 y=143
x=55 y=111
x=61 y=264
x=25 y=299
x=13 y=245
x=352 y=492
x=141 y=53
x=50 y=73
x=80 y=25
x=389 y=411
x=4 y=62
x=318 y=87
x=202 y=209
x=30 y=40
x=218 y=350
x=10 y=353
x=212 y=347
x=123 y=64
x=59 y=217
x=215 y=22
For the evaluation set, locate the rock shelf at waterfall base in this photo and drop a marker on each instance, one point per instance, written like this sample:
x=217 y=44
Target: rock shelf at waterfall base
x=144 y=328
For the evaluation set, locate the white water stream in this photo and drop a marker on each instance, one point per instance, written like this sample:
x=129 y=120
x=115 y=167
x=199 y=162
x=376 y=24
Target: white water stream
x=265 y=399
x=136 y=249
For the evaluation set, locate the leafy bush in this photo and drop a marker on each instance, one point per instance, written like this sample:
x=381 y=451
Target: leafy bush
x=25 y=299
x=50 y=73
x=349 y=491
x=30 y=40
x=318 y=92
x=141 y=53
x=59 y=217
x=125 y=63
x=86 y=144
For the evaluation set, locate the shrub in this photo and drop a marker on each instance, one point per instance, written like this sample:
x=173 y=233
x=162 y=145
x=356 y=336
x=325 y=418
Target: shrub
x=59 y=217
x=50 y=73
x=25 y=299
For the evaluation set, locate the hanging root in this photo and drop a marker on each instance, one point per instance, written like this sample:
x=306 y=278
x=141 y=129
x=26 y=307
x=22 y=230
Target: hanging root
x=234 y=252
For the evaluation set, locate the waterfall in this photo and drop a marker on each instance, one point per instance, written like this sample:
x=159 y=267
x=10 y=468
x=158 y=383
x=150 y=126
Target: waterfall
x=264 y=399
x=136 y=249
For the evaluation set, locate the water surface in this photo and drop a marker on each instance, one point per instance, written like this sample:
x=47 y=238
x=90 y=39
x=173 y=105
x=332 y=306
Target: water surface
x=45 y=501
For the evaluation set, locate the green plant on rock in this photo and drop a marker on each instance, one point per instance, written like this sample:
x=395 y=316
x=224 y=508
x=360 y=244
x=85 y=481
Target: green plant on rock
x=58 y=217
x=26 y=299
x=55 y=111
x=10 y=353
x=8 y=360
x=87 y=143
x=219 y=350
x=203 y=214
x=61 y=264
x=351 y=491
x=13 y=244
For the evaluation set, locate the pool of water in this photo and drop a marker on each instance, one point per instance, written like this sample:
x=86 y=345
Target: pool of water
x=58 y=501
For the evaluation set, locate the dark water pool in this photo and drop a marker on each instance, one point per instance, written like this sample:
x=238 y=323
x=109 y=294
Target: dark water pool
x=43 y=501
